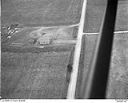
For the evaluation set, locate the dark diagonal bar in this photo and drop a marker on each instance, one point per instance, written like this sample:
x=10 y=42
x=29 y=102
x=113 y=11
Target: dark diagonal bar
x=94 y=86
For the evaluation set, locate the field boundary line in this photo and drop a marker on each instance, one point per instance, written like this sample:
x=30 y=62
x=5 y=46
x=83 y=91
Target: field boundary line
x=119 y=32
x=116 y=32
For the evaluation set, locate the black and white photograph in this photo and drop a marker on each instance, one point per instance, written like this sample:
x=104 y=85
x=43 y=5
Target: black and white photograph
x=64 y=49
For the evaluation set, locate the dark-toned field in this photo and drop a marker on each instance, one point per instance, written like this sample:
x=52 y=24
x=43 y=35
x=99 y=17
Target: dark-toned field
x=42 y=74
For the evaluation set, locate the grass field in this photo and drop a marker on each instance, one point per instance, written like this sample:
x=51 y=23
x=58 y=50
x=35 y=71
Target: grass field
x=42 y=75
x=34 y=75
x=95 y=13
x=118 y=84
x=41 y=12
x=118 y=77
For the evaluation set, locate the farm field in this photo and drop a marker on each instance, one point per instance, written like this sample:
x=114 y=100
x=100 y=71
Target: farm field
x=118 y=76
x=42 y=75
x=41 y=12
x=34 y=75
x=95 y=12
x=117 y=86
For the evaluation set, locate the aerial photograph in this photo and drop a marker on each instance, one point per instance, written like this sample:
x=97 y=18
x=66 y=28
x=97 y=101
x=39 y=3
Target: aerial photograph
x=64 y=49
